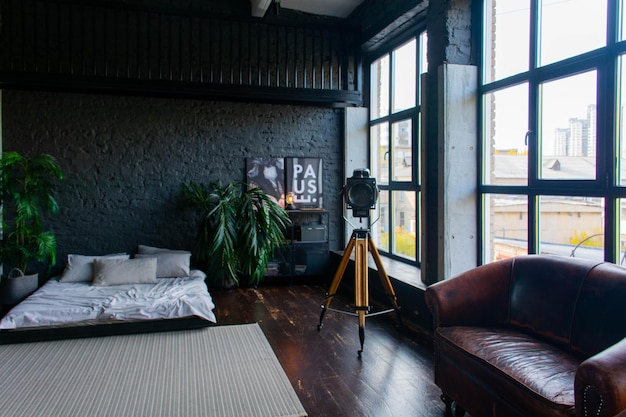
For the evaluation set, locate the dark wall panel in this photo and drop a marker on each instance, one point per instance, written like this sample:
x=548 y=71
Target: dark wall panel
x=176 y=52
x=125 y=159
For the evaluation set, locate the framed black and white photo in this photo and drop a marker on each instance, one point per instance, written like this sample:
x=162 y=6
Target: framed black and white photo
x=269 y=175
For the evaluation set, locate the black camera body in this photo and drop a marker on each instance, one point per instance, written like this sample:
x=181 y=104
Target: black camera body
x=361 y=192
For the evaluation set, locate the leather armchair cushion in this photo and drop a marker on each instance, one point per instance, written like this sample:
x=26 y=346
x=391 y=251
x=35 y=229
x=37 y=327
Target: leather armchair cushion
x=541 y=315
x=479 y=297
x=536 y=374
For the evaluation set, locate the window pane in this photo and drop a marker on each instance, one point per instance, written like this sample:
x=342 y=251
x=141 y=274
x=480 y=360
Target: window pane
x=380 y=153
x=379 y=84
x=568 y=128
x=505 y=227
x=380 y=229
x=572 y=226
x=423 y=60
x=507 y=28
x=404 y=75
x=405 y=224
x=570 y=28
x=394 y=149
x=418 y=226
x=505 y=126
x=622 y=22
x=402 y=150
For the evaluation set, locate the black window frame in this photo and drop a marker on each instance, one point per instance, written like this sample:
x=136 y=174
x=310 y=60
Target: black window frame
x=605 y=185
x=412 y=114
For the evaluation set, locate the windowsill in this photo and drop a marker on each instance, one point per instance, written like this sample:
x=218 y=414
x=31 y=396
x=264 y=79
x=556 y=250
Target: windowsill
x=408 y=274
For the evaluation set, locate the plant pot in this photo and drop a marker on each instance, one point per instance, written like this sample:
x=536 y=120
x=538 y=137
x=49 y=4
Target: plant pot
x=16 y=287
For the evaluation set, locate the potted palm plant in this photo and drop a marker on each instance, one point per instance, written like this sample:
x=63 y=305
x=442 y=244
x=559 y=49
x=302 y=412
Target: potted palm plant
x=27 y=186
x=240 y=227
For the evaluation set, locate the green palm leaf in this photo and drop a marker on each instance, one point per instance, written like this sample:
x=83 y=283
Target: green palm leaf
x=240 y=228
x=28 y=186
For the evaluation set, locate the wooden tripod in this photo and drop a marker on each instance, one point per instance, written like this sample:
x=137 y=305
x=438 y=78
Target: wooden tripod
x=361 y=241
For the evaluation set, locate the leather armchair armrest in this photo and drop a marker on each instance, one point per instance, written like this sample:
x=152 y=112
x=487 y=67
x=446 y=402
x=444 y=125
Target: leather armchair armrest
x=600 y=384
x=479 y=296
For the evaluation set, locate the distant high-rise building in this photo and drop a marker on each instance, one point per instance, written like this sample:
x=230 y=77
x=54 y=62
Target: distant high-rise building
x=561 y=142
x=591 y=130
x=579 y=138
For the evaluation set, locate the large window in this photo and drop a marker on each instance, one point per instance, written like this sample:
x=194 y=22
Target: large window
x=394 y=147
x=552 y=105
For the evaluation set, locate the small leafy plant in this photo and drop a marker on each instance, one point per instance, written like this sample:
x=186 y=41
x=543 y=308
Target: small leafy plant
x=240 y=228
x=28 y=186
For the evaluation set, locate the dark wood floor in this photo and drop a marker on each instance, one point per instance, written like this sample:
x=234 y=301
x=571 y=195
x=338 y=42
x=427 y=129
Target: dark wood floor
x=394 y=377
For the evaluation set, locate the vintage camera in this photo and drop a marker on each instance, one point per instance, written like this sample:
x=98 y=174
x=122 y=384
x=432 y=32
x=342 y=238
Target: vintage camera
x=361 y=192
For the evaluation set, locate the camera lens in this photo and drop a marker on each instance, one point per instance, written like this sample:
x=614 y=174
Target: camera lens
x=361 y=195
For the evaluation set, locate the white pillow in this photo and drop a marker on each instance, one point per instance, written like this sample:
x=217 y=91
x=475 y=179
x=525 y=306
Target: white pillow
x=124 y=271
x=79 y=268
x=170 y=263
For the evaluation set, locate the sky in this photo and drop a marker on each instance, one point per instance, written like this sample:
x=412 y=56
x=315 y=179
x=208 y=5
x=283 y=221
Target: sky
x=568 y=28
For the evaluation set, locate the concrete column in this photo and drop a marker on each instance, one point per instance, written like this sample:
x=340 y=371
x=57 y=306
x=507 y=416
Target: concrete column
x=450 y=176
x=446 y=115
x=356 y=154
x=457 y=181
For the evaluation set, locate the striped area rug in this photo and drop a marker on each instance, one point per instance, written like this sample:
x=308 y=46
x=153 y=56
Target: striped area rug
x=221 y=371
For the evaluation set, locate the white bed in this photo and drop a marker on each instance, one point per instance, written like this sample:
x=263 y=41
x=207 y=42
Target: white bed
x=156 y=290
x=80 y=303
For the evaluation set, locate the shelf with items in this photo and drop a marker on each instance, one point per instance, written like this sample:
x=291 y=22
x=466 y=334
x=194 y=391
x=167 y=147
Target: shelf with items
x=305 y=251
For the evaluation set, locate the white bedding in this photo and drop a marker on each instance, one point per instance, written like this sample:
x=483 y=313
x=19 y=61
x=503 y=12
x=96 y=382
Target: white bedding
x=80 y=303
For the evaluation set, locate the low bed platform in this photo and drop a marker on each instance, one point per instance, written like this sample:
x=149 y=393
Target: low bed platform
x=42 y=334
x=127 y=300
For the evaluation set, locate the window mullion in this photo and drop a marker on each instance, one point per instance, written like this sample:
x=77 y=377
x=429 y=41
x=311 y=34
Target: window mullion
x=534 y=49
x=607 y=146
x=391 y=204
x=533 y=222
x=533 y=135
x=391 y=83
x=612 y=230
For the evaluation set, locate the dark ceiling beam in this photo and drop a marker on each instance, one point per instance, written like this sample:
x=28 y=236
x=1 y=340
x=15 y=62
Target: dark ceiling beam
x=180 y=89
x=382 y=21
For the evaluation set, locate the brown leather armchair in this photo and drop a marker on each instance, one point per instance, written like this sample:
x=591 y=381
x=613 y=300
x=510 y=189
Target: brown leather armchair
x=532 y=336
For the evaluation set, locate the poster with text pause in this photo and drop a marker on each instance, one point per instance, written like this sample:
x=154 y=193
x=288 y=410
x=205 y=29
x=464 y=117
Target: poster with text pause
x=304 y=181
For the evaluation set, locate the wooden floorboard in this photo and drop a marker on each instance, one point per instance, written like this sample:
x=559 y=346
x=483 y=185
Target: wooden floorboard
x=393 y=378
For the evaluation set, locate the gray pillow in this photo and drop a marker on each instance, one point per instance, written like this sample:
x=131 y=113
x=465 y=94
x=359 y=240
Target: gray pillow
x=79 y=268
x=169 y=264
x=124 y=271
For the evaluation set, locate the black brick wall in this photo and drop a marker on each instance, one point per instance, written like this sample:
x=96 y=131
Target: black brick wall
x=125 y=159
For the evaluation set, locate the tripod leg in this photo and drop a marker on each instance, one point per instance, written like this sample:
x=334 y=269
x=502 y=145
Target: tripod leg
x=361 y=333
x=336 y=280
x=361 y=287
x=384 y=278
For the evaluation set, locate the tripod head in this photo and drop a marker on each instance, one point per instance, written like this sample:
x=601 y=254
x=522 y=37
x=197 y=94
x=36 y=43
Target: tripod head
x=361 y=192
x=360 y=195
